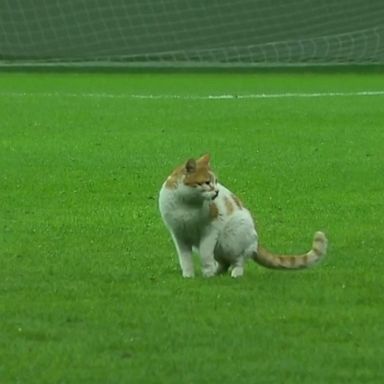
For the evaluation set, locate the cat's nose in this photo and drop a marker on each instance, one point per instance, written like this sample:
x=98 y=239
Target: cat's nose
x=215 y=195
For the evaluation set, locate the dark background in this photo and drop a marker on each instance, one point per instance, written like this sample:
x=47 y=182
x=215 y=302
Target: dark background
x=198 y=31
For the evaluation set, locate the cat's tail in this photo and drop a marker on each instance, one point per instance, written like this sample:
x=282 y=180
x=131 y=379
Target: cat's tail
x=275 y=261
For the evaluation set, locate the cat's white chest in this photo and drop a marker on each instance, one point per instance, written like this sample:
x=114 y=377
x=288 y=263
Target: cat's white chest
x=184 y=220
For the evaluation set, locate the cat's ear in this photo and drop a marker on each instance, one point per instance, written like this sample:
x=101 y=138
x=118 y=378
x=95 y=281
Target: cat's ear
x=205 y=159
x=190 y=166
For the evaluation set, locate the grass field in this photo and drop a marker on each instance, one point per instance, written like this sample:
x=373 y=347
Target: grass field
x=91 y=290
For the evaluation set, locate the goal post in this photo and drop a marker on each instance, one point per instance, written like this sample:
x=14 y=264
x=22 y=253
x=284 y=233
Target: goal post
x=194 y=33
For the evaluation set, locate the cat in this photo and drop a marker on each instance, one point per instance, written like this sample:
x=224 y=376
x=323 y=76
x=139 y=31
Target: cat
x=202 y=215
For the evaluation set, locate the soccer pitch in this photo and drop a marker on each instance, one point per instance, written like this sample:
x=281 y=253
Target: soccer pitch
x=91 y=290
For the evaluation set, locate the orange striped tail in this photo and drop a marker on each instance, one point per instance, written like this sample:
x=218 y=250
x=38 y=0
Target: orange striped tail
x=275 y=261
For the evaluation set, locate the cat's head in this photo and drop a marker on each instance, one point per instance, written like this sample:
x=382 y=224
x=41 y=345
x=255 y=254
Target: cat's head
x=199 y=181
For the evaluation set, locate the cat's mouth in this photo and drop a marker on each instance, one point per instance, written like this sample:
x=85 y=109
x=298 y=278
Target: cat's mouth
x=215 y=195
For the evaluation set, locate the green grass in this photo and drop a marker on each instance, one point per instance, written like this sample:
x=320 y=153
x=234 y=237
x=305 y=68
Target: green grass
x=90 y=289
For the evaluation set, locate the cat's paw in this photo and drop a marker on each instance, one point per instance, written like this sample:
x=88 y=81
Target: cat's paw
x=188 y=274
x=237 y=272
x=210 y=270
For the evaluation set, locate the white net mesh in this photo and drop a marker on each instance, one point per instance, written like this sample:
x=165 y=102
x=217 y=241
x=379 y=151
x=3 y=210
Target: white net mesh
x=199 y=32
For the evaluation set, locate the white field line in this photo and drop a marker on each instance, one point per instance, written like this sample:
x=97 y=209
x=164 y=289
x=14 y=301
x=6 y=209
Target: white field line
x=103 y=95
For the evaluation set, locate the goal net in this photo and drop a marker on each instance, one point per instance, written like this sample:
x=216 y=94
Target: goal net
x=192 y=32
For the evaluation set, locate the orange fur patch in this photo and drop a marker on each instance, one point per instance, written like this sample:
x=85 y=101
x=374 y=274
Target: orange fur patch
x=204 y=160
x=213 y=211
x=171 y=182
x=173 y=179
x=200 y=175
x=237 y=201
x=229 y=205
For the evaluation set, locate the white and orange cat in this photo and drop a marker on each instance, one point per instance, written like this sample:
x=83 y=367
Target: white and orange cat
x=203 y=215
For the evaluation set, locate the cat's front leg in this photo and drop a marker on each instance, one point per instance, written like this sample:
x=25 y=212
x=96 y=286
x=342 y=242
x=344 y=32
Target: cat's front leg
x=206 y=251
x=184 y=251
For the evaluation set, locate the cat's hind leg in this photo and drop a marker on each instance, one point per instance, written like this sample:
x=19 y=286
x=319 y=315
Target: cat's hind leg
x=237 y=269
x=222 y=267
